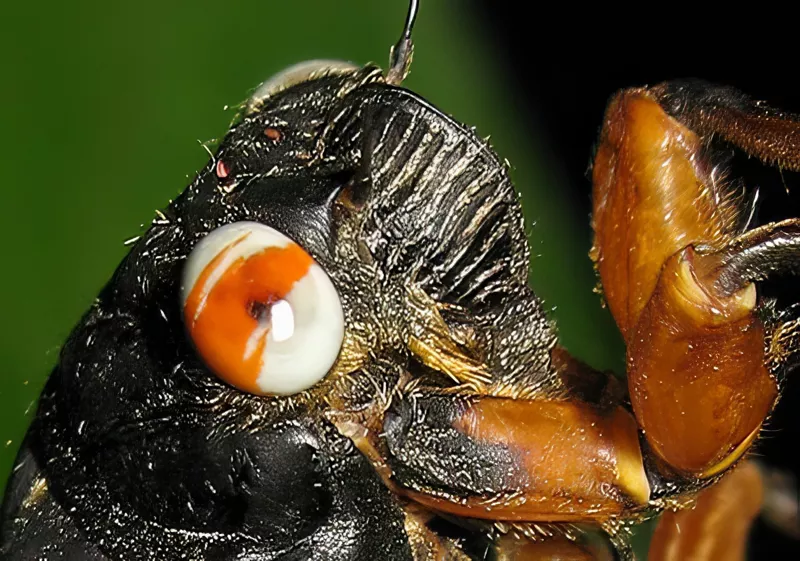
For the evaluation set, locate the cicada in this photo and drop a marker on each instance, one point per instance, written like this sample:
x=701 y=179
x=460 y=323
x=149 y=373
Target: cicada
x=327 y=348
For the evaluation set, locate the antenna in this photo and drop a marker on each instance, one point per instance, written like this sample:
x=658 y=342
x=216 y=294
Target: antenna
x=401 y=54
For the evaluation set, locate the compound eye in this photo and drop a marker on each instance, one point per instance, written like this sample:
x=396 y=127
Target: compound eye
x=301 y=72
x=261 y=312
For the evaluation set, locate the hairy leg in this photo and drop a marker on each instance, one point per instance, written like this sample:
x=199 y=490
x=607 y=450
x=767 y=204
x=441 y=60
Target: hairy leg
x=705 y=354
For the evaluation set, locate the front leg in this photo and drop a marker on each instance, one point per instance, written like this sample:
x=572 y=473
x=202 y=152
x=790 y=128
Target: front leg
x=517 y=460
x=705 y=355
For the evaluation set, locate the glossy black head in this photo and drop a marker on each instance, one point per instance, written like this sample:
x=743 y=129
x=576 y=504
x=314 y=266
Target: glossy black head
x=139 y=451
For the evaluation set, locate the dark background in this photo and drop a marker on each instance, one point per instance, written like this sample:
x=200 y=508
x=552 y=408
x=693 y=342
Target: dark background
x=566 y=86
x=103 y=107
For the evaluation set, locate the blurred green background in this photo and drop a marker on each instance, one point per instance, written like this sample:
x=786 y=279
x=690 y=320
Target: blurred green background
x=103 y=106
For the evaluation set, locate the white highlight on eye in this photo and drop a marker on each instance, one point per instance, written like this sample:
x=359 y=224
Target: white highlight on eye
x=263 y=315
x=282 y=321
x=296 y=74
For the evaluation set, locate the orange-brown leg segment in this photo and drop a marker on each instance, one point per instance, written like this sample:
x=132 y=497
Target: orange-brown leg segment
x=717 y=527
x=556 y=549
x=516 y=460
x=427 y=545
x=679 y=276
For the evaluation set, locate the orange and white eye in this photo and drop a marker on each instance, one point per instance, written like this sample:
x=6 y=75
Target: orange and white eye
x=261 y=312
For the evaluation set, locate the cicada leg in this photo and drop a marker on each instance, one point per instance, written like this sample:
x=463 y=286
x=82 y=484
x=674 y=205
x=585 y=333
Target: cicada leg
x=704 y=355
x=516 y=460
x=719 y=524
x=511 y=549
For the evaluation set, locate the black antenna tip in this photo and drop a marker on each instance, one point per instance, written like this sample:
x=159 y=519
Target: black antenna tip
x=400 y=57
x=411 y=17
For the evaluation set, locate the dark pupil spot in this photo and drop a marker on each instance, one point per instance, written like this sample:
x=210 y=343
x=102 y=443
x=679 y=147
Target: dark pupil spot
x=261 y=311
